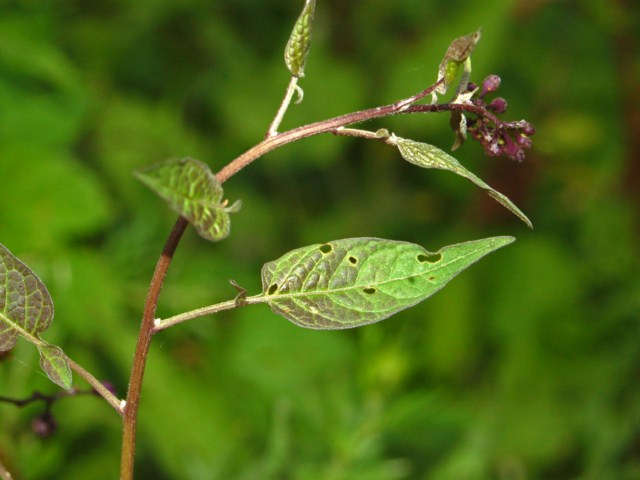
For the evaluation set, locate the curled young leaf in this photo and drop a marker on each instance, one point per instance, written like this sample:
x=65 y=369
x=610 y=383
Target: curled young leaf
x=353 y=282
x=455 y=56
x=192 y=190
x=26 y=309
x=297 y=49
x=428 y=156
x=54 y=363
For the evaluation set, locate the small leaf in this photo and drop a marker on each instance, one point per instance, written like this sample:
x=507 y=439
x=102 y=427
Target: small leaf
x=457 y=53
x=26 y=309
x=55 y=364
x=297 y=49
x=353 y=282
x=428 y=156
x=192 y=190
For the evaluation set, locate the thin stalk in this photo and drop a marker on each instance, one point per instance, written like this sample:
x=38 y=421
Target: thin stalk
x=114 y=401
x=130 y=414
x=208 y=310
x=286 y=101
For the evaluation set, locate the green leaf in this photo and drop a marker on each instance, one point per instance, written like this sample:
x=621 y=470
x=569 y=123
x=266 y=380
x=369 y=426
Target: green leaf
x=458 y=52
x=54 y=363
x=26 y=309
x=428 y=156
x=356 y=281
x=192 y=190
x=297 y=49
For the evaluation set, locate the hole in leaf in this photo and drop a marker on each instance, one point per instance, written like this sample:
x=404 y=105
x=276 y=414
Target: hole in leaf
x=353 y=260
x=432 y=258
x=369 y=290
x=272 y=289
x=326 y=248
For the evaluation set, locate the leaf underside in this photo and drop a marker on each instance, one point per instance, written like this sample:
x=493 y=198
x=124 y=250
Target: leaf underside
x=428 y=156
x=26 y=309
x=192 y=190
x=353 y=282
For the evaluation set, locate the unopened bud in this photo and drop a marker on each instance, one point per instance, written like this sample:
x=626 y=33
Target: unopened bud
x=490 y=84
x=498 y=105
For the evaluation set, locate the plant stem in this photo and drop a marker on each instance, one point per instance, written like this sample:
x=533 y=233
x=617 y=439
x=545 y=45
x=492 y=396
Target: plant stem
x=97 y=385
x=130 y=413
x=330 y=125
x=208 y=310
x=272 y=141
x=286 y=101
x=4 y=473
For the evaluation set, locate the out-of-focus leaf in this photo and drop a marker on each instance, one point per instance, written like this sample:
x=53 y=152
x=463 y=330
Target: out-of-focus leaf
x=428 y=156
x=353 y=282
x=26 y=309
x=297 y=49
x=192 y=190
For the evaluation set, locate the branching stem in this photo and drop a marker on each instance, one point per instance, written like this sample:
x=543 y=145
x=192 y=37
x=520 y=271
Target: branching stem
x=273 y=140
x=331 y=125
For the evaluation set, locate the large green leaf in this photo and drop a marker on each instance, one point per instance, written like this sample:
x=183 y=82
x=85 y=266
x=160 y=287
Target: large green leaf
x=192 y=190
x=428 y=156
x=353 y=282
x=26 y=309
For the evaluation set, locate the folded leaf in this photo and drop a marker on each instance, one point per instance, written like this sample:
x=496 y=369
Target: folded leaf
x=297 y=49
x=26 y=309
x=353 y=282
x=54 y=363
x=458 y=52
x=428 y=156
x=192 y=190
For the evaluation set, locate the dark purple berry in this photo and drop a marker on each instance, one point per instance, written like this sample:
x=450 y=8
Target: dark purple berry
x=44 y=425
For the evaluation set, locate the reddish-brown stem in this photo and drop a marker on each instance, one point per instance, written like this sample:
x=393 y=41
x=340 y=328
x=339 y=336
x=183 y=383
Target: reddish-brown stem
x=326 y=126
x=130 y=413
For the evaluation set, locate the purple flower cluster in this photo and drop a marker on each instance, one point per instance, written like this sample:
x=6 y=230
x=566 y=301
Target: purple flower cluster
x=495 y=136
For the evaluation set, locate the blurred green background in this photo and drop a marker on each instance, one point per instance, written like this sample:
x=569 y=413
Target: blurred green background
x=527 y=366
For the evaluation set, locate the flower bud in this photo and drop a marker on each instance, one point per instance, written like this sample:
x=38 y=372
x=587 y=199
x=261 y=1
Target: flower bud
x=498 y=105
x=523 y=140
x=528 y=129
x=490 y=84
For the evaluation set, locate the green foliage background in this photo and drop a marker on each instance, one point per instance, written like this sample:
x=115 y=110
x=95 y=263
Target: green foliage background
x=524 y=367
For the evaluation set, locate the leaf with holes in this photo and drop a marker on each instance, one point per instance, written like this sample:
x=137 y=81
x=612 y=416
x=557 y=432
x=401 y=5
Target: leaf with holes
x=353 y=282
x=26 y=309
x=428 y=156
x=192 y=190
